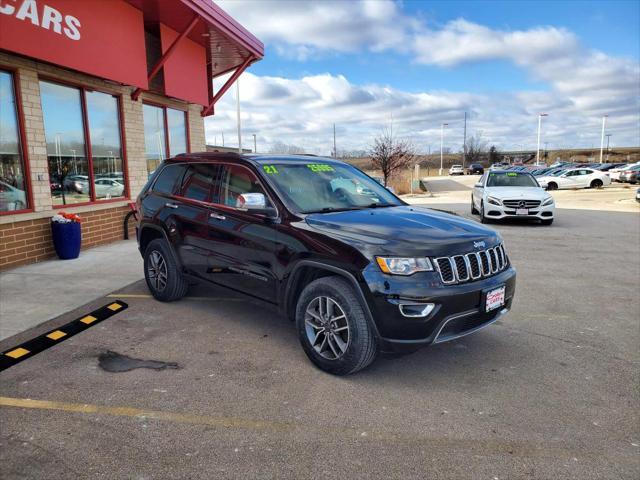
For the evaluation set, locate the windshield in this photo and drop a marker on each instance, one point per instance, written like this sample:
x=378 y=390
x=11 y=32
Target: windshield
x=327 y=187
x=511 y=179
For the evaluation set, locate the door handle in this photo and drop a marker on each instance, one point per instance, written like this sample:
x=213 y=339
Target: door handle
x=217 y=216
x=171 y=205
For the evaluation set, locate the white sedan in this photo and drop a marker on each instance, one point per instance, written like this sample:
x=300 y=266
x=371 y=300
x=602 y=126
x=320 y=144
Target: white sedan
x=501 y=194
x=456 y=170
x=575 y=178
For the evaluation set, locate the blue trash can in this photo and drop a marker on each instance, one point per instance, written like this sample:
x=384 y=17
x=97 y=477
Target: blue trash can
x=67 y=238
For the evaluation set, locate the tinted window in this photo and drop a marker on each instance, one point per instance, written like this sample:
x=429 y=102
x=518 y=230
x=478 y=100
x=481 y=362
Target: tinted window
x=168 y=179
x=511 y=179
x=236 y=181
x=199 y=182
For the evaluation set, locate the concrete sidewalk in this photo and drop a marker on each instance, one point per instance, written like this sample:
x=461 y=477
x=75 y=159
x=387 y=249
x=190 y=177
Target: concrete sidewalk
x=36 y=293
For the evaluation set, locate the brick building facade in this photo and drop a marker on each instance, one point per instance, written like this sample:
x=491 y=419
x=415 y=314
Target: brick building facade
x=74 y=141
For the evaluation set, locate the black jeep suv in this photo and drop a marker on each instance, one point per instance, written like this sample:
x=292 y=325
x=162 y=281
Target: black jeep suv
x=358 y=270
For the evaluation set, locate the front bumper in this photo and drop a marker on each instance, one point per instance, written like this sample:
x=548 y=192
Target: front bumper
x=499 y=212
x=458 y=309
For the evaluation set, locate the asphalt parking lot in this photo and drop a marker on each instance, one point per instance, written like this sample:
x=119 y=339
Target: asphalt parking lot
x=550 y=391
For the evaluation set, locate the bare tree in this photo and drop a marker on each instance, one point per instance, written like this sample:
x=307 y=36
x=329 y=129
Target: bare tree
x=476 y=148
x=389 y=155
x=285 y=148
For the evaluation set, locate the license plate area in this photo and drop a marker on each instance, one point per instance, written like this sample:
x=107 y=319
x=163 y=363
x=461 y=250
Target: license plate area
x=522 y=211
x=494 y=298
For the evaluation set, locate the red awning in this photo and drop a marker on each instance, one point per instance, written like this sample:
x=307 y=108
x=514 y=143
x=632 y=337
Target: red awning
x=228 y=45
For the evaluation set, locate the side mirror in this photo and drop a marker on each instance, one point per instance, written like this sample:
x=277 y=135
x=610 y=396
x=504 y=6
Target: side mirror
x=479 y=185
x=255 y=203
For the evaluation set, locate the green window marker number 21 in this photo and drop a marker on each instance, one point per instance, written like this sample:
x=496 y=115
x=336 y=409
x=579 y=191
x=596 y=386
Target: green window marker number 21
x=270 y=169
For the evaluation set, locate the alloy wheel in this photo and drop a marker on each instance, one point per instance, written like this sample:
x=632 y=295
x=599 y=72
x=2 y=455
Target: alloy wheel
x=157 y=270
x=327 y=327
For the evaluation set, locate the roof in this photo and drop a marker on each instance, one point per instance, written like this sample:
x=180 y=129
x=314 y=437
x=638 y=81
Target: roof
x=258 y=159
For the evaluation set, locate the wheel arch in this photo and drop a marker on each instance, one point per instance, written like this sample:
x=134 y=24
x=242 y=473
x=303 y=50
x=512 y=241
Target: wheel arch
x=305 y=272
x=148 y=233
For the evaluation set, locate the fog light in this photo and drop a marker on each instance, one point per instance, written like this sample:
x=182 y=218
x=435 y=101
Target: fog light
x=416 y=310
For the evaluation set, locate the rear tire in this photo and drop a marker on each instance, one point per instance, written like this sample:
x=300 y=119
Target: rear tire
x=328 y=344
x=161 y=272
x=547 y=222
x=552 y=186
x=596 y=183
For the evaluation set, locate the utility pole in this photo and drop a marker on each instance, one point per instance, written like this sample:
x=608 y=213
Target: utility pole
x=464 y=142
x=441 y=146
x=238 y=115
x=604 y=124
x=223 y=138
x=335 y=152
x=539 y=126
x=255 y=148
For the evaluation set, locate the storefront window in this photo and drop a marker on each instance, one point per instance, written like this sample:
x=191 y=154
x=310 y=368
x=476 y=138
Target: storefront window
x=13 y=190
x=165 y=134
x=79 y=174
x=154 y=138
x=66 y=153
x=177 y=131
x=104 y=130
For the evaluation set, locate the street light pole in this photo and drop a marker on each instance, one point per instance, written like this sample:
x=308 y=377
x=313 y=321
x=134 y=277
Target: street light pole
x=441 y=146
x=255 y=148
x=604 y=124
x=539 y=127
x=464 y=142
x=608 y=137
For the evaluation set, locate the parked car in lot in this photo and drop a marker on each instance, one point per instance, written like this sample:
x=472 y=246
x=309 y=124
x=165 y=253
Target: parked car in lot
x=76 y=183
x=107 y=187
x=615 y=173
x=630 y=175
x=456 y=170
x=475 y=169
x=638 y=195
x=358 y=273
x=575 y=178
x=504 y=194
x=11 y=198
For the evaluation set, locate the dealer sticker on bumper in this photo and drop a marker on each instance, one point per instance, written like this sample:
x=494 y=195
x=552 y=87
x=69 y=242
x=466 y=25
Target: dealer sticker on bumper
x=495 y=298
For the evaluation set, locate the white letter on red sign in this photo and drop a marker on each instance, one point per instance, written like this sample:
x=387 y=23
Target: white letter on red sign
x=7 y=9
x=28 y=9
x=50 y=16
x=72 y=29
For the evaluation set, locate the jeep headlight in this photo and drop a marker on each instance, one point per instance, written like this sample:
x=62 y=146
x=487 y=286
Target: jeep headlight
x=494 y=201
x=404 y=266
x=548 y=201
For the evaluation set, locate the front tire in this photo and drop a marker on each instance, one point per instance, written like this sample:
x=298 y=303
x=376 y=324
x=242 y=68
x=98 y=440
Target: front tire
x=474 y=210
x=161 y=272
x=483 y=218
x=332 y=327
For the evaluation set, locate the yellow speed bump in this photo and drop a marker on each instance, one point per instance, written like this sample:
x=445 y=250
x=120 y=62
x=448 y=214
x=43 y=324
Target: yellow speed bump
x=57 y=335
x=17 y=353
x=88 y=319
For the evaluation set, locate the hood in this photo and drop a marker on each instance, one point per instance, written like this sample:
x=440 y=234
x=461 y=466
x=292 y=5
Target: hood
x=404 y=230
x=504 y=193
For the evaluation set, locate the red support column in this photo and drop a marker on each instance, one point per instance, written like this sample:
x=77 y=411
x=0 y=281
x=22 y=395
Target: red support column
x=208 y=110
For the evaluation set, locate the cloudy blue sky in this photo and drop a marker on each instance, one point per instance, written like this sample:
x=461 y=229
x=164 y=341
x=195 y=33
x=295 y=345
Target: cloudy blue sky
x=364 y=64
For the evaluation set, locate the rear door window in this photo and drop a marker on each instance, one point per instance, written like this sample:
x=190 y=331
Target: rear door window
x=201 y=182
x=169 y=179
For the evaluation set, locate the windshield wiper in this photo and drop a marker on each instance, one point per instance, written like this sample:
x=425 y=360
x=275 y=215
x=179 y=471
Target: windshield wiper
x=332 y=209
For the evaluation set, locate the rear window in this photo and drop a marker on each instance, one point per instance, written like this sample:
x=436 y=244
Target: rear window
x=169 y=178
x=201 y=182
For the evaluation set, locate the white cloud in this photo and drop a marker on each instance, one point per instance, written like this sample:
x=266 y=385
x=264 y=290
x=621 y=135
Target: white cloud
x=302 y=112
x=582 y=84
